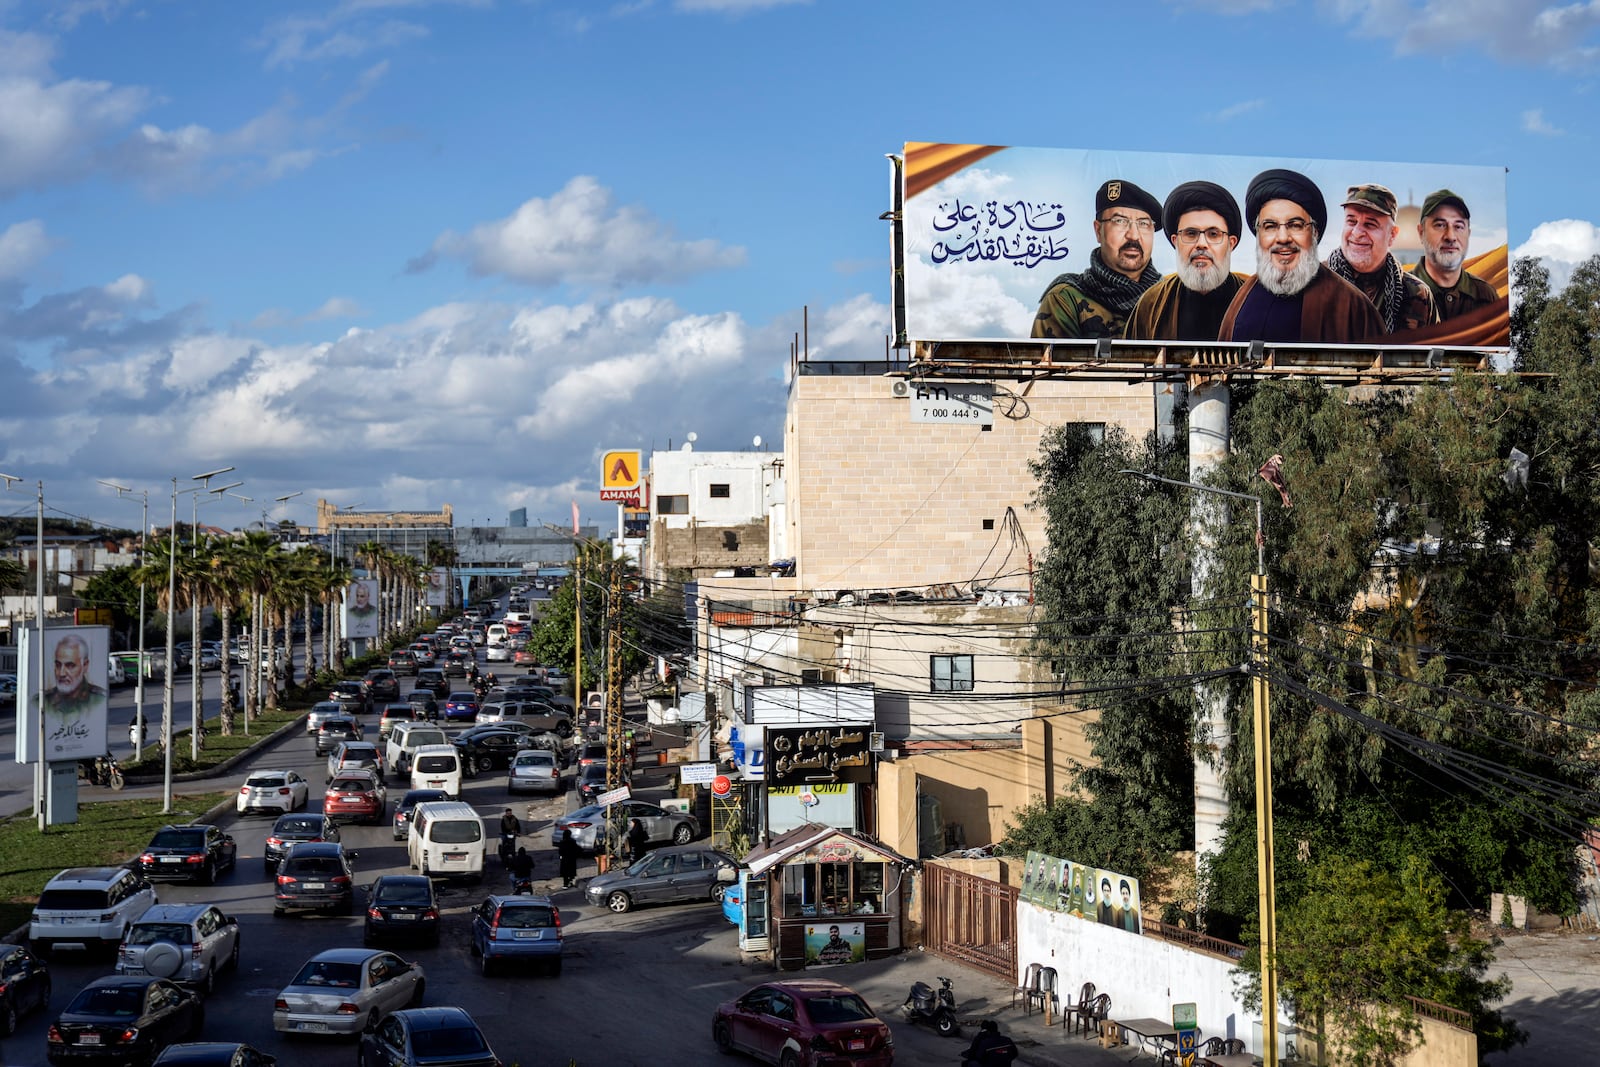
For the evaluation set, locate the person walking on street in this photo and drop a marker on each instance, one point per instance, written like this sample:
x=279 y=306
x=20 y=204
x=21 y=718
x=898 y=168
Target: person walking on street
x=568 y=850
x=637 y=837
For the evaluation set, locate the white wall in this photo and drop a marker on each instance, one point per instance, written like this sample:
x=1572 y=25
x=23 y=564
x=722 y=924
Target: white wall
x=1144 y=975
x=753 y=488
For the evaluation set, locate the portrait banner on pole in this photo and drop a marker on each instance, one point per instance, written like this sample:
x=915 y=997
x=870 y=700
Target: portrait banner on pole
x=76 y=667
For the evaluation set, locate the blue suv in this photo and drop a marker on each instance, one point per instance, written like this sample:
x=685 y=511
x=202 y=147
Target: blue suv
x=517 y=928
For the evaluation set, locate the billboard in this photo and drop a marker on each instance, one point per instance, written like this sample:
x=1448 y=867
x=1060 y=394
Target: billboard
x=439 y=587
x=361 y=608
x=830 y=944
x=620 y=474
x=1006 y=243
x=1091 y=893
x=76 y=665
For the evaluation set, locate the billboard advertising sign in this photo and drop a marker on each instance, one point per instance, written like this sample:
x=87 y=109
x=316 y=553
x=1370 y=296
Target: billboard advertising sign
x=1008 y=243
x=818 y=755
x=361 y=608
x=620 y=476
x=75 y=694
x=1090 y=893
x=438 y=587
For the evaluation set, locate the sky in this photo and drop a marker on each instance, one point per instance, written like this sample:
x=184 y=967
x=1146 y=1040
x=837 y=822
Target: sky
x=404 y=253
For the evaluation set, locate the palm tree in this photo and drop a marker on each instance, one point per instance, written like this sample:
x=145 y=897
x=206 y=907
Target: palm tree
x=227 y=590
x=337 y=576
x=259 y=553
x=152 y=574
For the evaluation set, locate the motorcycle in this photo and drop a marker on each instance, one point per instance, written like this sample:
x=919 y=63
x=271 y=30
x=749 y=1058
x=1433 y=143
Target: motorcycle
x=938 y=1009
x=522 y=887
x=508 y=848
x=102 y=770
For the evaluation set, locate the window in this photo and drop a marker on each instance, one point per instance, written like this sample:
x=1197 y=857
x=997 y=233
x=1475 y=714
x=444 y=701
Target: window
x=672 y=505
x=951 y=674
x=1096 y=431
x=719 y=491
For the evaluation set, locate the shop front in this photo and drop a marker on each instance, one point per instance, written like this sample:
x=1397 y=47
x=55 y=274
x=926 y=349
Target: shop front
x=828 y=896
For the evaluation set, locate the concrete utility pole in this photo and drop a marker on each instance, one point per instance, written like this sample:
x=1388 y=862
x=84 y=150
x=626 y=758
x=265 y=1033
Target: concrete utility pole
x=616 y=743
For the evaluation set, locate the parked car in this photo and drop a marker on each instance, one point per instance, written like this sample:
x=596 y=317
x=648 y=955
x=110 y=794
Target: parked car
x=346 y=991
x=413 y=797
x=490 y=750
x=507 y=928
x=381 y=686
x=315 y=876
x=425 y=702
x=355 y=755
x=195 y=851
x=188 y=943
x=401 y=905
x=667 y=875
x=461 y=704
x=213 y=1054
x=803 y=1021
x=123 y=1019
x=24 y=985
x=356 y=793
x=535 y=770
x=322 y=711
x=433 y=680
x=352 y=696
x=275 y=791
x=335 y=732
x=664 y=827
x=291 y=830
x=85 y=907
x=418 y=1037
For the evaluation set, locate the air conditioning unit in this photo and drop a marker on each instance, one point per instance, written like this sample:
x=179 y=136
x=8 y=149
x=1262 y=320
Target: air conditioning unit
x=811 y=676
x=901 y=388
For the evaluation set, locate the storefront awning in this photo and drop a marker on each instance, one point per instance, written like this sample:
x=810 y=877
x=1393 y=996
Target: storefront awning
x=822 y=844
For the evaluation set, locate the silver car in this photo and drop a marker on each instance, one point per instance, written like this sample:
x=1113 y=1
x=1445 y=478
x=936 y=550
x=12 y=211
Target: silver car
x=535 y=770
x=346 y=990
x=663 y=827
x=689 y=872
x=323 y=710
x=188 y=943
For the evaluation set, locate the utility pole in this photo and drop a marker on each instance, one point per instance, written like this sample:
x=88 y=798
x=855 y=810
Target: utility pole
x=577 y=632
x=616 y=743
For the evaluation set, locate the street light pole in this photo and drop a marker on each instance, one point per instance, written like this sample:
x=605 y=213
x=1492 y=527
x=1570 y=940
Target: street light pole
x=1266 y=882
x=138 y=699
x=172 y=654
x=196 y=710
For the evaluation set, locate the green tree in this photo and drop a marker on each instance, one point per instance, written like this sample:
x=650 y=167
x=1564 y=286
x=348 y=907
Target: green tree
x=113 y=588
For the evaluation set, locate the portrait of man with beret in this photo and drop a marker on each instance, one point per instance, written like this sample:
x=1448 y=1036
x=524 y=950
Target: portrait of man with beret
x=1098 y=301
x=1292 y=296
x=1201 y=220
x=1445 y=229
x=1363 y=259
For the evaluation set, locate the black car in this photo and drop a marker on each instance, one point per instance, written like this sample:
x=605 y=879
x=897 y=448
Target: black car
x=291 y=830
x=433 y=680
x=196 y=851
x=335 y=732
x=401 y=905
x=124 y=1019
x=457 y=663
x=353 y=695
x=592 y=782
x=415 y=1036
x=381 y=685
x=213 y=1054
x=24 y=985
x=402 y=810
x=488 y=750
x=315 y=876
x=425 y=702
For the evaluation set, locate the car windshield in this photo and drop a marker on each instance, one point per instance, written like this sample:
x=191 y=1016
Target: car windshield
x=150 y=933
x=837 y=1008
x=327 y=973
x=305 y=866
x=264 y=781
x=404 y=893
x=351 y=785
x=422 y=796
x=302 y=825
x=72 y=900
x=124 y=1001
x=451 y=1041
x=178 y=839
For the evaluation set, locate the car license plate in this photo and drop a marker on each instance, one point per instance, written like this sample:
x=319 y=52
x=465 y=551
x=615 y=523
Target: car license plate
x=435 y=781
x=171 y=859
x=351 y=800
x=316 y=885
x=455 y=855
x=529 y=934
x=310 y=1026
x=855 y=1044
x=404 y=916
x=88 y=1039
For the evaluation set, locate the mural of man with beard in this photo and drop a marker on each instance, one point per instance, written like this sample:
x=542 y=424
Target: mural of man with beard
x=1201 y=220
x=1292 y=296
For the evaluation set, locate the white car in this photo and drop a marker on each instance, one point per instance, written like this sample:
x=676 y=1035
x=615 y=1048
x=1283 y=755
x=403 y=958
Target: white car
x=274 y=791
x=500 y=653
x=86 y=907
x=346 y=991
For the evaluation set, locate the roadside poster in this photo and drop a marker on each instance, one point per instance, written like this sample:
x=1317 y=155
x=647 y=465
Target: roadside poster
x=76 y=668
x=830 y=944
x=361 y=608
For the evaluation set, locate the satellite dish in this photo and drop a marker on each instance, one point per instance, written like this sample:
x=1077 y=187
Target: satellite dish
x=692 y=437
x=757 y=442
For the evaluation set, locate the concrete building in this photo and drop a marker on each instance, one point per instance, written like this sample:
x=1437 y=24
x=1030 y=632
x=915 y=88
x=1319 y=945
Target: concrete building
x=714 y=511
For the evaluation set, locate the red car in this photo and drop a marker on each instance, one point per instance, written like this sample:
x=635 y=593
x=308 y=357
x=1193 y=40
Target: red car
x=808 y=1022
x=356 y=794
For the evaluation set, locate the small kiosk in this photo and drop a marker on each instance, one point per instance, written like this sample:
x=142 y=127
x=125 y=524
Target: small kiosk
x=826 y=896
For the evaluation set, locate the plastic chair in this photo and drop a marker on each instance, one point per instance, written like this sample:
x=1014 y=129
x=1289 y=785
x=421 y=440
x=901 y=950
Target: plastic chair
x=1030 y=984
x=1085 y=995
x=1097 y=1012
x=1233 y=1045
x=1045 y=993
x=1214 y=1046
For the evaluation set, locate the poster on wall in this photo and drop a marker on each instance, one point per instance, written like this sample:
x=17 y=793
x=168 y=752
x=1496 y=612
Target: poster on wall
x=1090 y=893
x=361 y=608
x=1003 y=243
x=830 y=944
x=75 y=695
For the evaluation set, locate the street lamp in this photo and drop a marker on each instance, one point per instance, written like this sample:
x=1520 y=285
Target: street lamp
x=138 y=699
x=196 y=711
x=1266 y=883
x=40 y=799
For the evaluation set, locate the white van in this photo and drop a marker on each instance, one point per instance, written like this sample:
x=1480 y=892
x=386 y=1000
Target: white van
x=446 y=838
x=436 y=767
x=406 y=738
x=496 y=634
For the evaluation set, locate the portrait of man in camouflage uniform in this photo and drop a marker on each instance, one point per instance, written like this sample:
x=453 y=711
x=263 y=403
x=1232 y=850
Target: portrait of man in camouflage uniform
x=1363 y=259
x=71 y=702
x=1445 y=229
x=1098 y=301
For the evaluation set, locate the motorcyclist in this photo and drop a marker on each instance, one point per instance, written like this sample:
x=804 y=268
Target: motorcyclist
x=521 y=867
x=510 y=829
x=990 y=1048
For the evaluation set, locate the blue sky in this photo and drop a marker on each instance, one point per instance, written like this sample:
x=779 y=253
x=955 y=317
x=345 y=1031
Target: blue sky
x=401 y=253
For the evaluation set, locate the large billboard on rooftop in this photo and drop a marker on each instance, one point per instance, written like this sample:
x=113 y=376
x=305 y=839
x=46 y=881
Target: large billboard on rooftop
x=1007 y=243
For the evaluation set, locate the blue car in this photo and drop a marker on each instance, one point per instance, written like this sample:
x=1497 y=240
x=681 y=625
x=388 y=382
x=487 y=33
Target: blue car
x=513 y=928
x=462 y=704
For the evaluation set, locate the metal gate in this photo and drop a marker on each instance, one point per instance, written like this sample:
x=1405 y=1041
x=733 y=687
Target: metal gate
x=971 y=919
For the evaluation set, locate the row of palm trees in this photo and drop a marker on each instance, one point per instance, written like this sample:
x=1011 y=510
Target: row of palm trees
x=254 y=577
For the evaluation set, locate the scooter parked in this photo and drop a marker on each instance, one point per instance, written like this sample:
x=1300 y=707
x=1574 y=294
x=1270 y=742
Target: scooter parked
x=938 y=1009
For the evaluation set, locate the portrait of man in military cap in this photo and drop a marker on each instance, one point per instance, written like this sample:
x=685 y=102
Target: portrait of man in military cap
x=1445 y=229
x=1201 y=221
x=1098 y=301
x=1363 y=259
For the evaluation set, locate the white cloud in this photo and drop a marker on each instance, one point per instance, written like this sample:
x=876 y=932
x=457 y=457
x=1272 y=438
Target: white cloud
x=51 y=130
x=1533 y=121
x=1525 y=31
x=975 y=183
x=337 y=307
x=954 y=303
x=348 y=30
x=1561 y=245
x=21 y=246
x=1233 y=111
x=579 y=236
x=196 y=361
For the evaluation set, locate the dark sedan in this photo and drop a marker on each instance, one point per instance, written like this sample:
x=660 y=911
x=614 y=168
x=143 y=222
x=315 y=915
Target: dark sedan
x=352 y=696
x=401 y=905
x=490 y=750
x=197 y=852
x=213 y=1054
x=335 y=732
x=415 y=1037
x=425 y=702
x=123 y=1019
x=457 y=663
x=315 y=876
x=291 y=830
x=24 y=985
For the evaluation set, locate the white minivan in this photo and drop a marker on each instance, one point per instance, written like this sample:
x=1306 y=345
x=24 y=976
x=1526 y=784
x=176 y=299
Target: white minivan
x=436 y=767
x=446 y=838
x=496 y=634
